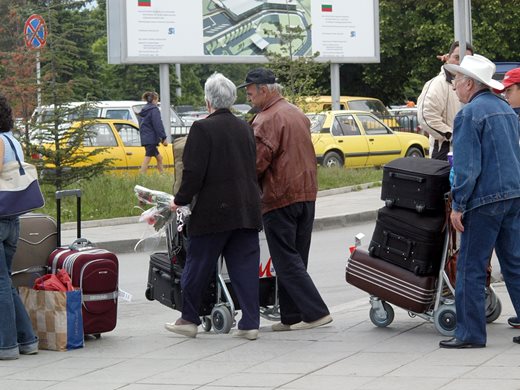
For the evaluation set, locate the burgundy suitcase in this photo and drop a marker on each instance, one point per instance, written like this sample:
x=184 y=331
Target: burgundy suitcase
x=95 y=271
x=390 y=283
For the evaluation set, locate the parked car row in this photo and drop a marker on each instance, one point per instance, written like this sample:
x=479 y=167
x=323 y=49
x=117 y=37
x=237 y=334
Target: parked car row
x=360 y=139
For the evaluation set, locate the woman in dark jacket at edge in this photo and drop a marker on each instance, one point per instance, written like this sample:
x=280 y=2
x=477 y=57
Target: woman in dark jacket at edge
x=152 y=131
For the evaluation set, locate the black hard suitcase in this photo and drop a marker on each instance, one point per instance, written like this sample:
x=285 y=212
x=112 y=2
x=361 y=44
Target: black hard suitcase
x=410 y=240
x=416 y=183
x=390 y=283
x=164 y=284
x=38 y=238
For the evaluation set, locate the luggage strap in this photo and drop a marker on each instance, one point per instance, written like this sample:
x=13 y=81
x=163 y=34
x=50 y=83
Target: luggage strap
x=100 y=297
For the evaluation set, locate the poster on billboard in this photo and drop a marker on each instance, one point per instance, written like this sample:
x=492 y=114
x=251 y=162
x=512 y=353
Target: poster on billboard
x=241 y=31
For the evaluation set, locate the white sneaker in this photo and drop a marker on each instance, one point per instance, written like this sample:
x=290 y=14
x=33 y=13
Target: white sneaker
x=250 y=334
x=280 y=327
x=314 y=324
x=188 y=330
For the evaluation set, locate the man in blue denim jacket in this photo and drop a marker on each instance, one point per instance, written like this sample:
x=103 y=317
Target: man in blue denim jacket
x=486 y=196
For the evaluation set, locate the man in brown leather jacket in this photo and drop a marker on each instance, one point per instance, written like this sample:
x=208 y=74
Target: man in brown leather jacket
x=286 y=168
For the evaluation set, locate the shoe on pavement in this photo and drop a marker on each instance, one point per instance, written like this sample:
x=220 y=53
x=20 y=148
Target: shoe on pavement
x=514 y=322
x=31 y=349
x=454 y=343
x=9 y=354
x=314 y=324
x=280 y=327
x=188 y=330
x=516 y=339
x=249 y=334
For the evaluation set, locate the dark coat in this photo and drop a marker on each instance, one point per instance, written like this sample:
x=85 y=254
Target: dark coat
x=150 y=125
x=220 y=175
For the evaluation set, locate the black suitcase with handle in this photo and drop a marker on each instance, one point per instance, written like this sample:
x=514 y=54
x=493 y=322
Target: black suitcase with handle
x=409 y=239
x=416 y=183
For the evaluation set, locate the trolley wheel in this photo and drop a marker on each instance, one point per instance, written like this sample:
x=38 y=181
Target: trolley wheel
x=493 y=312
x=221 y=319
x=148 y=294
x=389 y=203
x=380 y=320
x=445 y=320
x=206 y=323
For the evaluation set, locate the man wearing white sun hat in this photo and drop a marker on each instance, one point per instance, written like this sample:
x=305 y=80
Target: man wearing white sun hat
x=486 y=196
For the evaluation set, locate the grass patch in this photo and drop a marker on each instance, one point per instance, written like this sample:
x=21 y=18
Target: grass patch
x=112 y=196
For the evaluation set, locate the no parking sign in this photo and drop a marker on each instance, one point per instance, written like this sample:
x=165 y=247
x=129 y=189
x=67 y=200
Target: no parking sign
x=35 y=32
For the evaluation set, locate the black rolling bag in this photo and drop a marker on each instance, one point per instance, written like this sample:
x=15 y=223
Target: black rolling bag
x=408 y=239
x=416 y=183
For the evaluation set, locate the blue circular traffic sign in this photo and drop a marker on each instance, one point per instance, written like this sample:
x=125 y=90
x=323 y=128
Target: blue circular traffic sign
x=35 y=32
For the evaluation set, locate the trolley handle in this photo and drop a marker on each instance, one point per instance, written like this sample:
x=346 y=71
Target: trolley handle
x=63 y=194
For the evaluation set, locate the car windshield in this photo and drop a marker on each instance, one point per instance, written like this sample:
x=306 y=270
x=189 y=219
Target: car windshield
x=317 y=121
x=374 y=106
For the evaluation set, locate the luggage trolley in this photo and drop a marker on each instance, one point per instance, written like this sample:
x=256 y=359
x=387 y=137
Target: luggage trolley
x=439 y=302
x=219 y=307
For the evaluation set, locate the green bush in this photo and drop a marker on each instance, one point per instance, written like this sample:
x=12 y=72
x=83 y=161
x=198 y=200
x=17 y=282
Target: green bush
x=111 y=196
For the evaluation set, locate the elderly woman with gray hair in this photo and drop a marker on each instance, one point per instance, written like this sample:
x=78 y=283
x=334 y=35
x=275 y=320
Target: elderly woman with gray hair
x=219 y=181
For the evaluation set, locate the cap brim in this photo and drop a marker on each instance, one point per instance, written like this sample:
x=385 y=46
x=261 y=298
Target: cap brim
x=243 y=85
x=452 y=68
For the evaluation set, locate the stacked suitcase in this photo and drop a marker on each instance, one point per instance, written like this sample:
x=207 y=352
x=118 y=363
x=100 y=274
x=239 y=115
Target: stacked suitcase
x=404 y=255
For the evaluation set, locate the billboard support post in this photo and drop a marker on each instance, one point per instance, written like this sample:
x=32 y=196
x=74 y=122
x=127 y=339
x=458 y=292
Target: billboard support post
x=164 y=86
x=334 y=86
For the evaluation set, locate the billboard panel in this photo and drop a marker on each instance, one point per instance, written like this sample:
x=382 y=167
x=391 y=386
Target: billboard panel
x=241 y=31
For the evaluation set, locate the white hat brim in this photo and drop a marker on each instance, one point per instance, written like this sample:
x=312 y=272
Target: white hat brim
x=452 y=68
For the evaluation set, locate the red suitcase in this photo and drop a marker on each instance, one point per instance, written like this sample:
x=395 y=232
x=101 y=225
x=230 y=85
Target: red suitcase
x=390 y=282
x=95 y=271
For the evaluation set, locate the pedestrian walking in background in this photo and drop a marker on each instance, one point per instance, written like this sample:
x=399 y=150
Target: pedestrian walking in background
x=286 y=168
x=219 y=181
x=16 y=332
x=486 y=196
x=438 y=104
x=152 y=131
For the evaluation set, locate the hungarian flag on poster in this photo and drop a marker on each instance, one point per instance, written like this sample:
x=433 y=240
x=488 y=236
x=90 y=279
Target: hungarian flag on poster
x=326 y=8
x=144 y=3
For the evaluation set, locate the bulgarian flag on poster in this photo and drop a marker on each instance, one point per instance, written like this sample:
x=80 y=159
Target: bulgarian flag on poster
x=326 y=8
x=144 y=3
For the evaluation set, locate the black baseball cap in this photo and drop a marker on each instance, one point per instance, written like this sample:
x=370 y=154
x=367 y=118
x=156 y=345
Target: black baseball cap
x=259 y=76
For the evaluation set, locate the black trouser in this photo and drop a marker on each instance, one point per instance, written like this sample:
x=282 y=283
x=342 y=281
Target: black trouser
x=288 y=231
x=441 y=153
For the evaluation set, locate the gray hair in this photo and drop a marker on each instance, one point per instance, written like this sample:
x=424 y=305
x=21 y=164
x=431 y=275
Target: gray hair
x=219 y=91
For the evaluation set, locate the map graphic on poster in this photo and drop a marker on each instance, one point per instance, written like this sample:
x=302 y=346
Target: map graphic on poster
x=226 y=31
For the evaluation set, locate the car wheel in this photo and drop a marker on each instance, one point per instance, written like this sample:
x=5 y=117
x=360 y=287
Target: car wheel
x=414 y=152
x=332 y=160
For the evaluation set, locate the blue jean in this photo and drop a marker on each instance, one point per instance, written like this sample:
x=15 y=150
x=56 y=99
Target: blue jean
x=15 y=327
x=288 y=231
x=495 y=225
x=241 y=250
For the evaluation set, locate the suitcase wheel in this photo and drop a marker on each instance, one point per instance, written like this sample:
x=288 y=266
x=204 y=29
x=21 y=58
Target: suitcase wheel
x=148 y=293
x=493 y=305
x=382 y=318
x=419 y=208
x=206 y=323
x=445 y=319
x=389 y=203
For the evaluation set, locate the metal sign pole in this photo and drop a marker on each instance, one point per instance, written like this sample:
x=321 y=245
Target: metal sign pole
x=335 y=86
x=164 y=85
x=178 y=90
x=38 y=82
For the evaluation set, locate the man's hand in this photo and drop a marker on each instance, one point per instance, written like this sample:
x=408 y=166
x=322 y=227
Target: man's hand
x=173 y=206
x=456 y=220
x=165 y=142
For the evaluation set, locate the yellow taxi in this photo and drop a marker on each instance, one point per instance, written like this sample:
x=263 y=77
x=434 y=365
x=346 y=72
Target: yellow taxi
x=355 y=139
x=121 y=142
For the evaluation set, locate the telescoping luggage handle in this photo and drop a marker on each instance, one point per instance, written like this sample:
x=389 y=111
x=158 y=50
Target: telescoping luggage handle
x=63 y=194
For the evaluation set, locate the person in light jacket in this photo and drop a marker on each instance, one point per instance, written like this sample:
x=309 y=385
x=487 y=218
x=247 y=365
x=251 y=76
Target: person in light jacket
x=438 y=104
x=152 y=131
